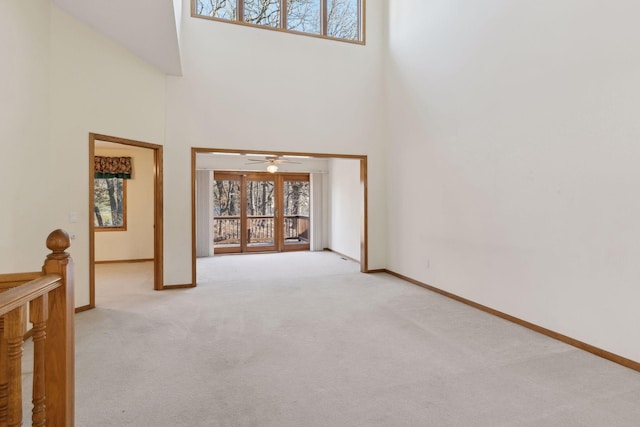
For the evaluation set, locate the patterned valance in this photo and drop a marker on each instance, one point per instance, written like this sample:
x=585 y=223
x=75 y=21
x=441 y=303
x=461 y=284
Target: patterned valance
x=112 y=167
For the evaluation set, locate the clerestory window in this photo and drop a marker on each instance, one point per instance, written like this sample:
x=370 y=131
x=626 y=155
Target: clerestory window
x=332 y=19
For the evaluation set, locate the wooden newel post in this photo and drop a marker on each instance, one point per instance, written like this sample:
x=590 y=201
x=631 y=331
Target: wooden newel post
x=59 y=348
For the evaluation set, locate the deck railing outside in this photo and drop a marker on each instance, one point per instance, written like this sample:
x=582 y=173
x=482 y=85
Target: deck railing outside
x=227 y=230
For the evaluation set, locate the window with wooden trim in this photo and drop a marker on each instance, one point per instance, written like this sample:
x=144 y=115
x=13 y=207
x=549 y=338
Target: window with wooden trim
x=332 y=19
x=110 y=197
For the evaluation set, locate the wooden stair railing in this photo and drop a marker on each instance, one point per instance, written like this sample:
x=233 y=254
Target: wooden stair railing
x=51 y=310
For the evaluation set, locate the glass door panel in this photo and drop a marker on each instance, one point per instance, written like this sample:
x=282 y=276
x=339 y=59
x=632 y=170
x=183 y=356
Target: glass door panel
x=296 y=198
x=260 y=213
x=226 y=213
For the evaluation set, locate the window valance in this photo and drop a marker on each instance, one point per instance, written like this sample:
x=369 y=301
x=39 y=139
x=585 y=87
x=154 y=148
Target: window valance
x=112 y=167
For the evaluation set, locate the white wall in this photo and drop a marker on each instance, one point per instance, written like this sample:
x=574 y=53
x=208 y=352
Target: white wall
x=60 y=80
x=95 y=86
x=512 y=155
x=177 y=11
x=25 y=172
x=136 y=242
x=248 y=88
x=514 y=158
x=74 y=81
x=345 y=207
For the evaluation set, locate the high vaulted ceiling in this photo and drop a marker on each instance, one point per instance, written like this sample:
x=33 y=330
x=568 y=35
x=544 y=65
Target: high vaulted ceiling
x=148 y=28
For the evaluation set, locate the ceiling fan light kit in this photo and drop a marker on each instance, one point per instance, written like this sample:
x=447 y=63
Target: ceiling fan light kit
x=272 y=163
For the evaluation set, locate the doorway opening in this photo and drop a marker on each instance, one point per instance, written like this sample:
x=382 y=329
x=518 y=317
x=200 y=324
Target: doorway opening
x=252 y=213
x=110 y=209
x=261 y=212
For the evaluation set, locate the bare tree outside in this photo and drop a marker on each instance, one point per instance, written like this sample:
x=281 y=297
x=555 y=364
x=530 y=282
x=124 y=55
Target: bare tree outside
x=260 y=212
x=223 y=9
x=304 y=16
x=343 y=21
x=260 y=197
x=226 y=210
x=109 y=202
x=296 y=204
x=296 y=198
x=262 y=12
x=227 y=197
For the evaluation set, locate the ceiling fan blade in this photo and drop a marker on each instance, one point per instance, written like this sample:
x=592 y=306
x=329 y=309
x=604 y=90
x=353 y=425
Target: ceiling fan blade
x=283 y=161
x=272 y=161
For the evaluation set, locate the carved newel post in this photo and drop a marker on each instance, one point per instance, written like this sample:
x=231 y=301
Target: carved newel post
x=59 y=347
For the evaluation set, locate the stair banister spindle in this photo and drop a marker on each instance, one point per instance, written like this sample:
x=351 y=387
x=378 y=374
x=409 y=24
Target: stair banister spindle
x=38 y=310
x=14 y=330
x=4 y=386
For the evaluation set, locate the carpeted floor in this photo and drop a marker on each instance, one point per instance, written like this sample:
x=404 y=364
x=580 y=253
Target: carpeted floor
x=304 y=339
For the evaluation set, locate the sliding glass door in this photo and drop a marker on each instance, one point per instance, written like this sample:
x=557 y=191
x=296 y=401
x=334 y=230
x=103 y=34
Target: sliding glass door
x=261 y=212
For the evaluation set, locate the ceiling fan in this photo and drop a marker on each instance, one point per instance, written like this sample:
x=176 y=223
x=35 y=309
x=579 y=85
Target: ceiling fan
x=272 y=162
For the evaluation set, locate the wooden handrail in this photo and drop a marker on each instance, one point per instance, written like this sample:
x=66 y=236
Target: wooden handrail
x=23 y=294
x=8 y=281
x=51 y=310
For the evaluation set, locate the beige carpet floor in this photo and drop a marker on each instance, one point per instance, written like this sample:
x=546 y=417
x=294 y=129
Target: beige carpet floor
x=304 y=339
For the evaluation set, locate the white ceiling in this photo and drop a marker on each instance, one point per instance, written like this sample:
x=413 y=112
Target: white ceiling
x=148 y=28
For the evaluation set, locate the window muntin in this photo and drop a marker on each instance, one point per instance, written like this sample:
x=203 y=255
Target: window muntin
x=331 y=19
x=110 y=213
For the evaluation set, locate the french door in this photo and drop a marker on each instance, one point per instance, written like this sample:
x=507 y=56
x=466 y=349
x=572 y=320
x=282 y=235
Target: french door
x=261 y=212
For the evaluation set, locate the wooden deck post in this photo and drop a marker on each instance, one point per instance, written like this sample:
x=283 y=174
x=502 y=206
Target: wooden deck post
x=59 y=347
